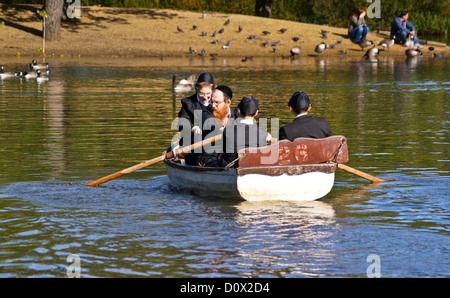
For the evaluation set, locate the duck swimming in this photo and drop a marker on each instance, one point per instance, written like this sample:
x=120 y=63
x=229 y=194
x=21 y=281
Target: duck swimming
x=8 y=74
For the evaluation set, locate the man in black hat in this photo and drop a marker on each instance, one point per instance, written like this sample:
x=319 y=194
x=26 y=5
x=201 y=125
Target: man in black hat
x=199 y=101
x=192 y=107
x=221 y=111
x=304 y=125
x=243 y=133
x=214 y=121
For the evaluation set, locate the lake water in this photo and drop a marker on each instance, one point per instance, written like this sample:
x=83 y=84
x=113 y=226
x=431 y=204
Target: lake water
x=95 y=117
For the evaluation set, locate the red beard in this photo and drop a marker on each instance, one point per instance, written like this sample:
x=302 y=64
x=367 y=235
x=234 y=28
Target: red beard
x=220 y=114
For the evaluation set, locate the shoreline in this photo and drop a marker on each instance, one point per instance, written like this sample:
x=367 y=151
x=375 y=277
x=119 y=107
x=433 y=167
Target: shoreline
x=107 y=32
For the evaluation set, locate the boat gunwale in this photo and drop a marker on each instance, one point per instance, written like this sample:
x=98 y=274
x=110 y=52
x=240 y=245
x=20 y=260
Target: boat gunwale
x=275 y=170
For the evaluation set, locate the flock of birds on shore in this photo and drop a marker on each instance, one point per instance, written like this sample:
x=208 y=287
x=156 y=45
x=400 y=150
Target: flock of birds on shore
x=370 y=54
x=38 y=71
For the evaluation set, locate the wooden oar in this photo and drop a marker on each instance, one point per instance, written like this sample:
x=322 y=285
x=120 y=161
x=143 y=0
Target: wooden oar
x=361 y=174
x=153 y=161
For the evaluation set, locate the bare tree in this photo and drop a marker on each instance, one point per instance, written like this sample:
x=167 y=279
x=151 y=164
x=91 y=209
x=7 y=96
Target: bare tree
x=262 y=8
x=54 y=10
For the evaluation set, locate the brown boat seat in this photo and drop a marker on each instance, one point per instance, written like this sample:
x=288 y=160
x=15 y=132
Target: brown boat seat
x=300 y=151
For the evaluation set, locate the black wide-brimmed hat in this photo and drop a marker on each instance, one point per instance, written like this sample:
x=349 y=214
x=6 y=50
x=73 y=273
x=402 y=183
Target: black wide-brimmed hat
x=299 y=100
x=205 y=77
x=226 y=90
x=248 y=105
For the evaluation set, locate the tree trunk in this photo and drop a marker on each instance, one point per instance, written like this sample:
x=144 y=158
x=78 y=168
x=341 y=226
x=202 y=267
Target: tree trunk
x=262 y=8
x=53 y=20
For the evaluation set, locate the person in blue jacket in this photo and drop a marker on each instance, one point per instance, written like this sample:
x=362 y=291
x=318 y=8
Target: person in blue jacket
x=401 y=29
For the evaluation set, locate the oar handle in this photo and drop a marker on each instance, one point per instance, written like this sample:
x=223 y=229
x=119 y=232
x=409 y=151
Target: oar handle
x=153 y=161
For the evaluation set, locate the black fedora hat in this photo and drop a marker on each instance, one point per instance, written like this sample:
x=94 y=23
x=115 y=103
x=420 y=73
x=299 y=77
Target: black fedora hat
x=299 y=100
x=248 y=105
x=205 y=77
x=225 y=90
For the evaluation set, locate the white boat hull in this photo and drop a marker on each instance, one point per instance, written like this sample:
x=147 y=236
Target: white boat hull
x=305 y=187
x=294 y=183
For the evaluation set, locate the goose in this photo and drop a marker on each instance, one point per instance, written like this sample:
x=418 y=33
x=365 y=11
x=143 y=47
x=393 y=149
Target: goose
x=364 y=43
x=410 y=53
x=41 y=76
x=387 y=43
x=372 y=52
x=8 y=74
x=30 y=75
x=320 y=48
x=184 y=85
x=35 y=66
x=295 y=51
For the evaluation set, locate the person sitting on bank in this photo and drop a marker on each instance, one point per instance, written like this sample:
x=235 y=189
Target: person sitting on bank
x=401 y=30
x=358 y=28
x=304 y=125
x=243 y=133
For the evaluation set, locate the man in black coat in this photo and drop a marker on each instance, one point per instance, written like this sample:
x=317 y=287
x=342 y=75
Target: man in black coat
x=304 y=125
x=193 y=106
x=214 y=122
x=190 y=114
x=243 y=133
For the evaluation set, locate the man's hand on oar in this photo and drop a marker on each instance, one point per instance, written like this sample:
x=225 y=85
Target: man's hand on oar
x=153 y=161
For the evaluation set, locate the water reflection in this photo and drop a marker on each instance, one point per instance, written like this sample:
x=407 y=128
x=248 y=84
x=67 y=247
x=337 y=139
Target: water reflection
x=298 y=238
x=97 y=117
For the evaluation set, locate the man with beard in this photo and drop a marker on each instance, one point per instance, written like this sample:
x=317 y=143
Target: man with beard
x=215 y=120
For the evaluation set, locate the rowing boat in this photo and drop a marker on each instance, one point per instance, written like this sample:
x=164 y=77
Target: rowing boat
x=302 y=170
